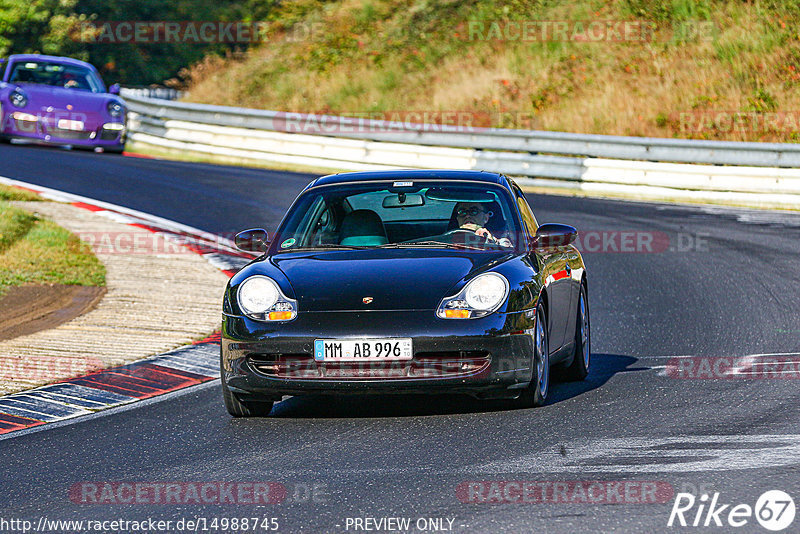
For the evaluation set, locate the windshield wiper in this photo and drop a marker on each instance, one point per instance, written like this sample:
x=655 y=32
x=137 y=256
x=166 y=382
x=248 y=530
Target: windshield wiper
x=324 y=245
x=430 y=244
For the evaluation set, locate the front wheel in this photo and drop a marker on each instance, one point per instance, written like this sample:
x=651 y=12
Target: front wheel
x=536 y=393
x=115 y=149
x=579 y=367
x=238 y=408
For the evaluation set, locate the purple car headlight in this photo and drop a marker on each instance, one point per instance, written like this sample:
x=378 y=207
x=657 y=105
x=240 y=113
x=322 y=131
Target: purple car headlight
x=115 y=109
x=18 y=98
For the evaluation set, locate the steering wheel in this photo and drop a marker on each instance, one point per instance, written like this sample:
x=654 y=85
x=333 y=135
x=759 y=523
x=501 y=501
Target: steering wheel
x=475 y=237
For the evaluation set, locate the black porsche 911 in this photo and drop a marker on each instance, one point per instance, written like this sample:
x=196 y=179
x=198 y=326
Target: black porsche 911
x=406 y=282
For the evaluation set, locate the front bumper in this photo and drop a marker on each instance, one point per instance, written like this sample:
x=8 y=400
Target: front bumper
x=44 y=129
x=488 y=357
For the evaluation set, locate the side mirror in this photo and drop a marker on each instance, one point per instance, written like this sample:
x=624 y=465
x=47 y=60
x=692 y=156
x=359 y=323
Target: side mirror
x=114 y=89
x=253 y=240
x=554 y=235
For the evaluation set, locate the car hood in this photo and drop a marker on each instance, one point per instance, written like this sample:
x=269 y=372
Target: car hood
x=395 y=279
x=42 y=96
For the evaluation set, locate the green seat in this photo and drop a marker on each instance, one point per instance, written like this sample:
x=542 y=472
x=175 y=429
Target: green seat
x=362 y=228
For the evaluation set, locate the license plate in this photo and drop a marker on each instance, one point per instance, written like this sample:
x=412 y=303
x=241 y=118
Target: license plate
x=66 y=124
x=362 y=350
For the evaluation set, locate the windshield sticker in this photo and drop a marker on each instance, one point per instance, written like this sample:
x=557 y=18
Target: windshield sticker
x=288 y=243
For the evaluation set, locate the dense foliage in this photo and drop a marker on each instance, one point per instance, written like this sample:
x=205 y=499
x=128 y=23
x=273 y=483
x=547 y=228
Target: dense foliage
x=54 y=27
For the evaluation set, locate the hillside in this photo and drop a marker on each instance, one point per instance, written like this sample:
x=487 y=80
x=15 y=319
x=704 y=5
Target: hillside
x=704 y=69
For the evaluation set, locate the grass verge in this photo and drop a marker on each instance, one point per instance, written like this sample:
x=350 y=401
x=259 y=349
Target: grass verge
x=15 y=193
x=34 y=250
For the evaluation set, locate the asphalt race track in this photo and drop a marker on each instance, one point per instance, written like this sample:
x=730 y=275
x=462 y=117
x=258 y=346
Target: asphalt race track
x=716 y=282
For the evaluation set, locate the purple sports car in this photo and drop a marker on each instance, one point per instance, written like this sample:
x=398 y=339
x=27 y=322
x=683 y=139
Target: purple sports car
x=61 y=101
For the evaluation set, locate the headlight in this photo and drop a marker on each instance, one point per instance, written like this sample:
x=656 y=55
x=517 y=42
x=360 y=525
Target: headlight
x=481 y=296
x=486 y=292
x=18 y=98
x=115 y=109
x=260 y=298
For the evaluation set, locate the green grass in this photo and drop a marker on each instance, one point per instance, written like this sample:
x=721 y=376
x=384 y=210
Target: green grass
x=14 y=193
x=34 y=250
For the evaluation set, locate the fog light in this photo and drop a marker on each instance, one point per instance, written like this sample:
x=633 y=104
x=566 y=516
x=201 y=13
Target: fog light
x=26 y=117
x=114 y=126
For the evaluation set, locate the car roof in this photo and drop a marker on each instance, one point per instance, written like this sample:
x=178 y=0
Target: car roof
x=410 y=174
x=56 y=59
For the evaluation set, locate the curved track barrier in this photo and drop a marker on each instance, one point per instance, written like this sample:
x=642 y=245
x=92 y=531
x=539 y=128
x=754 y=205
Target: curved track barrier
x=752 y=174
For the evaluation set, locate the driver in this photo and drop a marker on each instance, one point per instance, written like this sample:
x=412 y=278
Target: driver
x=69 y=81
x=473 y=216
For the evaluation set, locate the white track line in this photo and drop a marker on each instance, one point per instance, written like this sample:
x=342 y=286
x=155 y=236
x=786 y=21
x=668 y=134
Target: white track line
x=61 y=196
x=111 y=411
x=189 y=358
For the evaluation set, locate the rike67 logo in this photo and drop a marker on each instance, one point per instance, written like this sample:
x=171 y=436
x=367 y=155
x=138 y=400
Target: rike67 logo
x=774 y=510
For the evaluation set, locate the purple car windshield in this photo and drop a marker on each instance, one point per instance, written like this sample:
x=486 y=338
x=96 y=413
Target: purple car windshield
x=56 y=75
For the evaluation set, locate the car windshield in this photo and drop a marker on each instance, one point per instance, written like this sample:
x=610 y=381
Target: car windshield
x=401 y=215
x=56 y=75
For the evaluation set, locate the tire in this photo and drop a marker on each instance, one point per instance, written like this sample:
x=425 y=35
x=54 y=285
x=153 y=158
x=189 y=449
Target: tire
x=238 y=408
x=536 y=393
x=581 y=358
x=114 y=150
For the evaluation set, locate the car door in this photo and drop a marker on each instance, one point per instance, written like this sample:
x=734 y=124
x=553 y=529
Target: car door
x=555 y=272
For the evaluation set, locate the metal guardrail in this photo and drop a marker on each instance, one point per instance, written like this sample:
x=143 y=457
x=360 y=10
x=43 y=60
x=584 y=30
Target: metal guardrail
x=530 y=141
x=549 y=160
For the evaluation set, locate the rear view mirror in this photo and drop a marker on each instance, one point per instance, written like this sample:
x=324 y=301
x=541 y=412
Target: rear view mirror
x=403 y=200
x=114 y=89
x=253 y=240
x=554 y=235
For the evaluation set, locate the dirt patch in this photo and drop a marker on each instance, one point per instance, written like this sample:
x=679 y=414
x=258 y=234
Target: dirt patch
x=28 y=309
